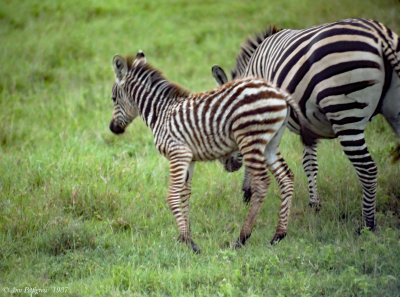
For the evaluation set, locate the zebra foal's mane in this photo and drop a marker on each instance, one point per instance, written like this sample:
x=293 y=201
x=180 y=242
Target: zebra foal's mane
x=172 y=89
x=248 y=47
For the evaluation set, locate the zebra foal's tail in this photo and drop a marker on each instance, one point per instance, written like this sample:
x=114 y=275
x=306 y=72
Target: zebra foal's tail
x=308 y=137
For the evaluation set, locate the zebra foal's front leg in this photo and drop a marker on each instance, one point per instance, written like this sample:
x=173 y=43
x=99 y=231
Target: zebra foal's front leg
x=185 y=197
x=178 y=198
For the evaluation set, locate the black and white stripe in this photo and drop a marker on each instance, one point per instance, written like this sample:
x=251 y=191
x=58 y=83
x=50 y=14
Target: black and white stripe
x=248 y=115
x=341 y=74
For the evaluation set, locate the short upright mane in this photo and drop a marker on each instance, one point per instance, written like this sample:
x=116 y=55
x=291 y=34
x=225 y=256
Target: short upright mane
x=248 y=48
x=172 y=89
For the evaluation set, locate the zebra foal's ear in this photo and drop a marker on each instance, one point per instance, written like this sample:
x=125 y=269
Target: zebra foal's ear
x=219 y=75
x=120 y=66
x=140 y=57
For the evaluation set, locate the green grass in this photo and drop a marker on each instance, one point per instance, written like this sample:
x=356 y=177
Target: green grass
x=84 y=213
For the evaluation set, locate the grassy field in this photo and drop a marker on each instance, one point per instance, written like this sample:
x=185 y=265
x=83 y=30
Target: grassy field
x=84 y=213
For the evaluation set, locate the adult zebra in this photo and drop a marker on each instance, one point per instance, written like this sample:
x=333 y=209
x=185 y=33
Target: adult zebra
x=246 y=114
x=341 y=74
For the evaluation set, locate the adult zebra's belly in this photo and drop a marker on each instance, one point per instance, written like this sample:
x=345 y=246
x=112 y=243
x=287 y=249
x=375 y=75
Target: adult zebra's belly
x=319 y=123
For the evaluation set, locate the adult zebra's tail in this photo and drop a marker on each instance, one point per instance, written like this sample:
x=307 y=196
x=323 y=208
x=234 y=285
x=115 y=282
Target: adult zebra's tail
x=391 y=53
x=308 y=137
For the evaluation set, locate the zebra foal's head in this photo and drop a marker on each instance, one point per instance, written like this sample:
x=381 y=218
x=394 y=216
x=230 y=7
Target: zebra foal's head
x=125 y=109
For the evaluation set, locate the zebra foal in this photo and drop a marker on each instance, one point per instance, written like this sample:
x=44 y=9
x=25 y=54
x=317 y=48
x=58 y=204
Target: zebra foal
x=248 y=115
x=341 y=74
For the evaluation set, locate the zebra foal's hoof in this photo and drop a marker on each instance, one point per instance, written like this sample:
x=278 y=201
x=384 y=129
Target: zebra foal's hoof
x=189 y=242
x=241 y=241
x=238 y=244
x=195 y=248
x=278 y=237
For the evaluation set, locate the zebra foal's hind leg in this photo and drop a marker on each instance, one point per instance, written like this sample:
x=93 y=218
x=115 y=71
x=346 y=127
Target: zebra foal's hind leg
x=285 y=179
x=310 y=166
x=284 y=176
x=255 y=162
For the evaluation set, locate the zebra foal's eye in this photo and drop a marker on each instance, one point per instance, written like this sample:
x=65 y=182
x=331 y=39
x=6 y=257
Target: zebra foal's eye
x=114 y=98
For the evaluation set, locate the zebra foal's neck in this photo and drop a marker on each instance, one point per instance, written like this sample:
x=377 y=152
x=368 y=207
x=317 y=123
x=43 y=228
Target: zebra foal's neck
x=150 y=91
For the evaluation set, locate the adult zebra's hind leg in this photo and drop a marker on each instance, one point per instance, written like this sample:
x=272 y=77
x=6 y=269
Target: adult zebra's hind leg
x=355 y=148
x=310 y=166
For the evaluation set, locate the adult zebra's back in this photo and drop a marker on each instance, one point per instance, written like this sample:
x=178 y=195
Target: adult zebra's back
x=341 y=74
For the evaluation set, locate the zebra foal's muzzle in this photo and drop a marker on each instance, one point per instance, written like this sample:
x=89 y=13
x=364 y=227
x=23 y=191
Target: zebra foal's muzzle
x=116 y=128
x=232 y=162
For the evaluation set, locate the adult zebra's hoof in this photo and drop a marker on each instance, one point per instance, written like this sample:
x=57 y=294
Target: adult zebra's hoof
x=370 y=228
x=247 y=195
x=278 y=237
x=315 y=206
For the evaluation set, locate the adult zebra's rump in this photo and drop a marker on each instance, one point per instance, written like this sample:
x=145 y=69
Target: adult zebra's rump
x=248 y=115
x=341 y=74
